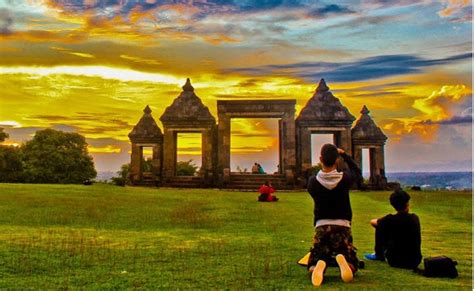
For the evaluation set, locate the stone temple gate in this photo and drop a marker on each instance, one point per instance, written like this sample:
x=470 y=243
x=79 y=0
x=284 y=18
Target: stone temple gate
x=323 y=114
x=282 y=109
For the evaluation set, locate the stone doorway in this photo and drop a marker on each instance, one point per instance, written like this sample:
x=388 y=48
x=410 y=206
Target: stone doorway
x=189 y=149
x=187 y=114
x=283 y=110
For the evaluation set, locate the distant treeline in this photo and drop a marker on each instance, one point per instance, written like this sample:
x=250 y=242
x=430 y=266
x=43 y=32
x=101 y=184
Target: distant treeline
x=434 y=180
x=52 y=156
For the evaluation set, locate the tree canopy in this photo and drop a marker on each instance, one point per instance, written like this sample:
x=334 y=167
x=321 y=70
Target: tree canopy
x=11 y=164
x=54 y=156
x=186 y=168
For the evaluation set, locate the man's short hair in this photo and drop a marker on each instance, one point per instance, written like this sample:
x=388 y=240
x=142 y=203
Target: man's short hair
x=329 y=154
x=399 y=199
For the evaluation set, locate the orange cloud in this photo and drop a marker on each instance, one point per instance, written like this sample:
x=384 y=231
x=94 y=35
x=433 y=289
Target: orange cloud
x=140 y=60
x=106 y=149
x=64 y=36
x=434 y=108
x=453 y=7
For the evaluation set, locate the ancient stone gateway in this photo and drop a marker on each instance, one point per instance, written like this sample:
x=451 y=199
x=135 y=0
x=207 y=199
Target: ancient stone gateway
x=366 y=134
x=188 y=114
x=146 y=134
x=323 y=113
x=282 y=109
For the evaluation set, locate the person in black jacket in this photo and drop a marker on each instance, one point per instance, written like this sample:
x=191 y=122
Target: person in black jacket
x=333 y=215
x=398 y=237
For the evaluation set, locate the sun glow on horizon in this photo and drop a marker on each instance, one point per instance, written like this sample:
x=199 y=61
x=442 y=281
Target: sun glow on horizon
x=105 y=72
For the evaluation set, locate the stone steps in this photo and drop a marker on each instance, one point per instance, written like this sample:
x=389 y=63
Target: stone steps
x=146 y=183
x=252 y=182
x=184 y=182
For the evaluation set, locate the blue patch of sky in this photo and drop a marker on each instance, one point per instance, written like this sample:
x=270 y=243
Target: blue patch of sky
x=363 y=69
x=398 y=29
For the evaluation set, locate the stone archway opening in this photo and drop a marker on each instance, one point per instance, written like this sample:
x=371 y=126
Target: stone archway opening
x=255 y=140
x=368 y=164
x=284 y=111
x=189 y=153
x=147 y=157
x=365 y=165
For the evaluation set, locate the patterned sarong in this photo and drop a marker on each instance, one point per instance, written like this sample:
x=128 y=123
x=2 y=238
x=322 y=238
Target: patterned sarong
x=331 y=240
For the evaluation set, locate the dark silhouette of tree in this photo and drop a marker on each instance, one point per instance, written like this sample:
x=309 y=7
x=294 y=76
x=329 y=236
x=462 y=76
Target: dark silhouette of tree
x=54 y=156
x=3 y=135
x=123 y=176
x=147 y=165
x=11 y=164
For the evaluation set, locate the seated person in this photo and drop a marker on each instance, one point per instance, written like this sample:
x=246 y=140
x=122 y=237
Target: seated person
x=398 y=237
x=255 y=168
x=266 y=191
x=260 y=169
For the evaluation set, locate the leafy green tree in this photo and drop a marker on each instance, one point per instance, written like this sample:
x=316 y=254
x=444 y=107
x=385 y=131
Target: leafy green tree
x=147 y=165
x=186 y=168
x=11 y=165
x=123 y=176
x=54 y=156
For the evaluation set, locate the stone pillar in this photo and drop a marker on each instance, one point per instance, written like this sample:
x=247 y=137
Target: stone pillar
x=223 y=140
x=280 y=147
x=135 y=163
x=207 y=155
x=289 y=141
x=373 y=167
x=379 y=155
x=157 y=160
x=305 y=149
x=380 y=166
x=169 y=153
x=357 y=155
x=346 y=140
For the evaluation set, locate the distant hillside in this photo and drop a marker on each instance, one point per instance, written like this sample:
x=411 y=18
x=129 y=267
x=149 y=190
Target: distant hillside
x=101 y=176
x=434 y=180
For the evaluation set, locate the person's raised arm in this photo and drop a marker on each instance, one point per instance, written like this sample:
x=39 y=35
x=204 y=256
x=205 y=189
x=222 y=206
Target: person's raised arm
x=354 y=172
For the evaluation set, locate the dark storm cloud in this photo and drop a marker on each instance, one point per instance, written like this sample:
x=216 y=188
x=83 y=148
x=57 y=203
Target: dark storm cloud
x=329 y=10
x=112 y=8
x=6 y=21
x=455 y=120
x=359 y=70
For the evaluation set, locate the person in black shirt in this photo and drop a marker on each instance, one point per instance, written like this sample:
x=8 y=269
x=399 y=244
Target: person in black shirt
x=333 y=215
x=398 y=237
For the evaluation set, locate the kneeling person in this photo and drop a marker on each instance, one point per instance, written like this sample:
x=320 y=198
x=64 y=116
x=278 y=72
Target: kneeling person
x=398 y=237
x=332 y=216
x=266 y=191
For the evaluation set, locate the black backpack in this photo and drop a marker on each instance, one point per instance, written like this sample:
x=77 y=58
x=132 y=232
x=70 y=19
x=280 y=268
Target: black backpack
x=440 y=266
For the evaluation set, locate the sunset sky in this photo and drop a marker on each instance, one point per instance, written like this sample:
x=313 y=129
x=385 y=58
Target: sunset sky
x=91 y=66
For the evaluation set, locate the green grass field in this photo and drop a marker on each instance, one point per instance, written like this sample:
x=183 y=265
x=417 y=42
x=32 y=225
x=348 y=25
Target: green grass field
x=102 y=236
